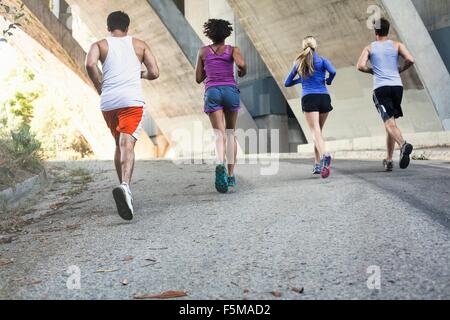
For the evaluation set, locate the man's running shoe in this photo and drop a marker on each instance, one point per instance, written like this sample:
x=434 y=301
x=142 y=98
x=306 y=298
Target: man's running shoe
x=326 y=166
x=124 y=201
x=405 y=152
x=388 y=165
x=221 y=179
x=317 y=169
x=232 y=184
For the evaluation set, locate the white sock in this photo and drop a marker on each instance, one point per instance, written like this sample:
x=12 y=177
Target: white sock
x=126 y=186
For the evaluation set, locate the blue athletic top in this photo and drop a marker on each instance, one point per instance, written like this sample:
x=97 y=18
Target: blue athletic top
x=384 y=60
x=316 y=83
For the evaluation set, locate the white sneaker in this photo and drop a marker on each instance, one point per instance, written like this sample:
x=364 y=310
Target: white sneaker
x=124 y=201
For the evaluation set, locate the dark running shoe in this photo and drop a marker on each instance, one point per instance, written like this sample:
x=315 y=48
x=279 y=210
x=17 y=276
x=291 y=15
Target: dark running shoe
x=405 y=152
x=388 y=165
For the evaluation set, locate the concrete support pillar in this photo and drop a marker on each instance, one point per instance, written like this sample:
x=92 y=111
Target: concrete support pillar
x=429 y=64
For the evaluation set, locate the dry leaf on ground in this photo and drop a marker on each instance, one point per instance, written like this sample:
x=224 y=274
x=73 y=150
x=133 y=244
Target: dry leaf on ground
x=276 y=294
x=128 y=258
x=298 y=290
x=164 y=295
x=5 y=240
x=106 y=270
x=5 y=262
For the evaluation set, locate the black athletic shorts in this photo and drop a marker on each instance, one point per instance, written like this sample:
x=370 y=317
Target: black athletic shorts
x=388 y=101
x=317 y=103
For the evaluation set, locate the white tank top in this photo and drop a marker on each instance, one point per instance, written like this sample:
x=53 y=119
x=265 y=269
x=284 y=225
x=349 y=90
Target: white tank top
x=121 y=87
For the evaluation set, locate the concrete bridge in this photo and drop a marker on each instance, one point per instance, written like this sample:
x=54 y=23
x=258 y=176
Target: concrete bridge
x=270 y=33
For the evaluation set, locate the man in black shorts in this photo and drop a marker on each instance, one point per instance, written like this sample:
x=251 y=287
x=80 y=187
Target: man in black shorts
x=388 y=87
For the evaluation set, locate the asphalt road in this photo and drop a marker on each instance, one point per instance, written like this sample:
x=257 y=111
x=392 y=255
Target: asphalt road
x=290 y=230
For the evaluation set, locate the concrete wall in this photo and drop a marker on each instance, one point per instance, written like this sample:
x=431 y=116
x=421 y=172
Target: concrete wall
x=189 y=43
x=259 y=91
x=277 y=28
x=435 y=15
x=45 y=28
x=429 y=63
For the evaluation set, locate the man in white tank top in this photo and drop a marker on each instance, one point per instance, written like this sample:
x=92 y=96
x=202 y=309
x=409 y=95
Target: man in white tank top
x=122 y=102
x=388 y=88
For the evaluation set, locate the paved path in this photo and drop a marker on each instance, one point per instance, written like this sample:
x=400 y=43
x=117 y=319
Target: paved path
x=276 y=233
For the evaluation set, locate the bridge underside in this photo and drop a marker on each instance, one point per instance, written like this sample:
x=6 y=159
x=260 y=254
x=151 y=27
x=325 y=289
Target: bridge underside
x=277 y=29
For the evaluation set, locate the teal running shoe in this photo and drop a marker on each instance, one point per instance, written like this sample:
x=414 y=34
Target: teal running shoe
x=232 y=183
x=221 y=179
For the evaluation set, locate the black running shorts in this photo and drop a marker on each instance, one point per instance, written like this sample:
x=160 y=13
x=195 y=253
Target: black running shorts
x=388 y=101
x=317 y=103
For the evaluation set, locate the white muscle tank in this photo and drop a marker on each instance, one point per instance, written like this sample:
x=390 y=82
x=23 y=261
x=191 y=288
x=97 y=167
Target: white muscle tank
x=121 y=87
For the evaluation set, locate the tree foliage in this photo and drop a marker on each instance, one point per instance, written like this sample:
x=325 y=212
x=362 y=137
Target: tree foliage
x=13 y=14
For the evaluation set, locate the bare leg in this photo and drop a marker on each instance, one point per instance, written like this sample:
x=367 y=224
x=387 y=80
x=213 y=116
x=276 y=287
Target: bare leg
x=117 y=161
x=394 y=131
x=313 y=120
x=316 y=155
x=390 y=142
x=322 y=119
x=126 y=144
x=230 y=120
x=218 y=124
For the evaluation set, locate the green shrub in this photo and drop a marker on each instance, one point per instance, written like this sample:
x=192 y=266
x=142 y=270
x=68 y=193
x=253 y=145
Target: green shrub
x=19 y=151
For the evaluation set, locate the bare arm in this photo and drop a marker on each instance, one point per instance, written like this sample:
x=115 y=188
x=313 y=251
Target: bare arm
x=240 y=62
x=152 y=72
x=363 y=61
x=406 y=55
x=92 y=67
x=200 y=75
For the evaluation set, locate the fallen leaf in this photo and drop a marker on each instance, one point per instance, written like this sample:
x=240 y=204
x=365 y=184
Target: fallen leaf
x=276 y=294
x=106 y=270
x=148 y=265
x=36 y=282
x=57 y=206
x=73 y=226
x=17 y=279
x=5 y=262
x=128 y=258
x=164 y=295
x=298 y=290
x=5 y=240
x=125 y=282
x=50 y=230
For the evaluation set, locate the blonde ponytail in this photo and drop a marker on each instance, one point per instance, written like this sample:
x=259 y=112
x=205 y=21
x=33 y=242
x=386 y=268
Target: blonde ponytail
x=305 y=61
